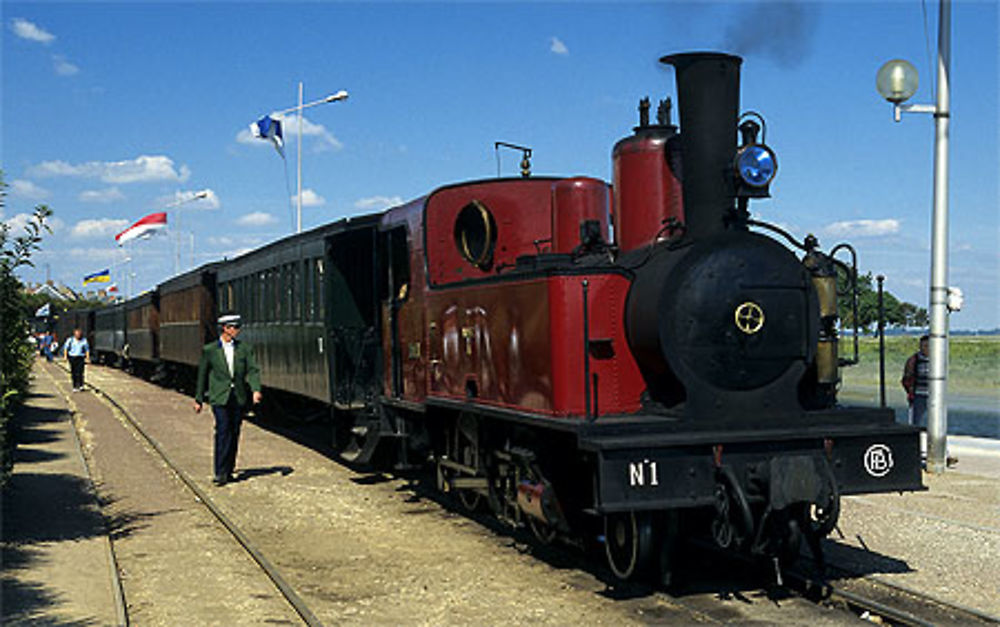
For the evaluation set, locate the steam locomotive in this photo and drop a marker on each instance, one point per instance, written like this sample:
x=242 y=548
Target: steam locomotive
x=639 y=361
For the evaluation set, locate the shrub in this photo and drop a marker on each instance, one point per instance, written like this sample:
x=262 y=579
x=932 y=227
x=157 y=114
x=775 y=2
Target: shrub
x=15 y=353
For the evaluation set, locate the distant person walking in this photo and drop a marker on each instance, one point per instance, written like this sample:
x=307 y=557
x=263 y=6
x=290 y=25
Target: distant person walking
x=227 y=375
x=77 y=350
x=52 y=346
x=915 y=382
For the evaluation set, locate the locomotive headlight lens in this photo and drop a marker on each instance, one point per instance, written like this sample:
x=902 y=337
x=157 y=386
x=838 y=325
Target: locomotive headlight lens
x=756 y=165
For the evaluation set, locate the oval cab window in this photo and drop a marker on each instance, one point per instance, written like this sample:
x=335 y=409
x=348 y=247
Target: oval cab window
x=476 y=234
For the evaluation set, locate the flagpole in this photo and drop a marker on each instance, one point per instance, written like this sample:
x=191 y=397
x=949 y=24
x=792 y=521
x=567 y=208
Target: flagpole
x=177 y=226
x=128 y=272
x=340 y=95
x=298 y=221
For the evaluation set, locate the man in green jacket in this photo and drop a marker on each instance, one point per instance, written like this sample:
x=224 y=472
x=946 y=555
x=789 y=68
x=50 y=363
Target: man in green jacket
x=229 y=372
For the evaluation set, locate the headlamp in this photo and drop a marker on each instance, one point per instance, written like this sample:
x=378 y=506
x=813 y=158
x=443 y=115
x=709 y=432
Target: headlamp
x=756 y=165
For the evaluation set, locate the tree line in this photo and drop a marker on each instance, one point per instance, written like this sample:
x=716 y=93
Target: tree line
x=897 y=313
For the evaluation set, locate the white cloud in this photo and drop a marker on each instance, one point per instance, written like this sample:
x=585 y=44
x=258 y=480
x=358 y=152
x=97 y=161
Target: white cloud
x=324 y=139
x=100 y=227
x=27 y=189
x=142 y=169
x=16 y=223
x=110 y=194
x=557 y=46
x=187 y=197
x=310 y=199
x=31 y=31
x=863 y=228
x=376 y=203
x=257 y=218
x=63 y=67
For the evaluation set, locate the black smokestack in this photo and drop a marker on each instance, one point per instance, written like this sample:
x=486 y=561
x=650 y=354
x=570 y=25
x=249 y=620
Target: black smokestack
x=708 y=91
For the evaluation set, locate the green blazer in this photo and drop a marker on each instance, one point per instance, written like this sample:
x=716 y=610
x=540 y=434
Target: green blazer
x=213 y=373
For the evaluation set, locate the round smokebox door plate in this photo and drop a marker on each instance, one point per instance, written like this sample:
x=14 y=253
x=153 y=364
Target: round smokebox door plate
x=749 y=317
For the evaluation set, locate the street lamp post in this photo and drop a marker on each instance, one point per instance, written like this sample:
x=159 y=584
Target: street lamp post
x=177 y=226
x=897 y=82
x=340 y=95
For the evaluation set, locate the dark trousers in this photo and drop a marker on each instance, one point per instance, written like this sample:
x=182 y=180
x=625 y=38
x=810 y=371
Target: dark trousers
x=76 y=370
x=228 y=419
x=918 y=411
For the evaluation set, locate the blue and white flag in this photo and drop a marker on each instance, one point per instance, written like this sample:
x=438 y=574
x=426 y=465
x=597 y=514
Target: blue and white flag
x=269 y=128
x=43 y=311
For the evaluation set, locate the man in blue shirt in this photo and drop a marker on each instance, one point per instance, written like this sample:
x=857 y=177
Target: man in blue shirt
x=77 y=349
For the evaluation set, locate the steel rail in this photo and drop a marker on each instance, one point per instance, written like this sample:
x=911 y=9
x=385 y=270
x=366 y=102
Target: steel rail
x=117 y=590
x=820 y=590
x=269 y=569
x=895 y=615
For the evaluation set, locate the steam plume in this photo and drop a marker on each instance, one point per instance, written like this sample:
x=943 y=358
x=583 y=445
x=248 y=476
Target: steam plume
x=779 y=30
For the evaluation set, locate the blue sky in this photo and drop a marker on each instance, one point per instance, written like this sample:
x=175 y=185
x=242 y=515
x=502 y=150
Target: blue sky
x=112 y=111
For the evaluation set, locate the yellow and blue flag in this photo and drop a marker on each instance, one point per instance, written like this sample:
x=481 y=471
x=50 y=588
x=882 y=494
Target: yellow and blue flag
x=104 y=276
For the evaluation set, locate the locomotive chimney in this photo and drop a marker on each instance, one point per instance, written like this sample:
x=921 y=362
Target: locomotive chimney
x=708 y=90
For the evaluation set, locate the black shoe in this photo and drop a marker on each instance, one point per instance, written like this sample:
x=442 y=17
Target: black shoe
x=220 y=481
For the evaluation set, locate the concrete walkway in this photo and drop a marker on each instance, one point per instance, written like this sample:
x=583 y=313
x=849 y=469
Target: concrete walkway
x=57 y=563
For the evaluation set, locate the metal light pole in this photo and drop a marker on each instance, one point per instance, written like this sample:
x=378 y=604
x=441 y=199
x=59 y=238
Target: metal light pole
x=177 y=226
x=897 y=81
x=340 y=95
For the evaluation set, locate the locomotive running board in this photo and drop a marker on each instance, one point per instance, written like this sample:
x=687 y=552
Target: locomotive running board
x=679 y=470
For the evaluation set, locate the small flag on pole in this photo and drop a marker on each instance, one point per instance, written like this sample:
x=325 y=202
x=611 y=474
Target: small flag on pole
x=43 y=311
x=270 y=128
x=104 y=276
x=113 y=288
x=143 y=228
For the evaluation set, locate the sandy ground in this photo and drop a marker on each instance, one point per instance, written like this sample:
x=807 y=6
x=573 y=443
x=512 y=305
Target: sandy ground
x=359 y=548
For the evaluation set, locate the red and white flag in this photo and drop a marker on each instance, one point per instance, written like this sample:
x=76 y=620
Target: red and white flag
x=143 y=228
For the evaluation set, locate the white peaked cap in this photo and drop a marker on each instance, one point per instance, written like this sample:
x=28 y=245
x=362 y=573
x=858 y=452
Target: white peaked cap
x=230 y=319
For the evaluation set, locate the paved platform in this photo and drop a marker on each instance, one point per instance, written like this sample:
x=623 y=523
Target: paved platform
x=57 y=563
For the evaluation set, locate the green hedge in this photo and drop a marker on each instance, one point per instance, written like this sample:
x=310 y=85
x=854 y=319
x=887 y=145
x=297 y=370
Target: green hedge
x=16 y=354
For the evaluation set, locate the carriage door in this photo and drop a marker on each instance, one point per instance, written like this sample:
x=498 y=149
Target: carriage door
x=395 y=293
x=352 y=318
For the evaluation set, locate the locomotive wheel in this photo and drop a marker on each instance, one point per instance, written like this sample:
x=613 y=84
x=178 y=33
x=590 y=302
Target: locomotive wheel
x=544 y=532
x=470 y=499
x=629 y=543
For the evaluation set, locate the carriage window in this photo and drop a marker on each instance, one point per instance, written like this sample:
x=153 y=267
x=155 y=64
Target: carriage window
x=476 y=234
x=289 y=278
x=320 y=290
x=296 y=286
x=261 y=296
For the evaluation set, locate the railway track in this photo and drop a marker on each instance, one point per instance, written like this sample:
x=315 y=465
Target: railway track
x=883 y=602
x=286 y=591
x=863 y=596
